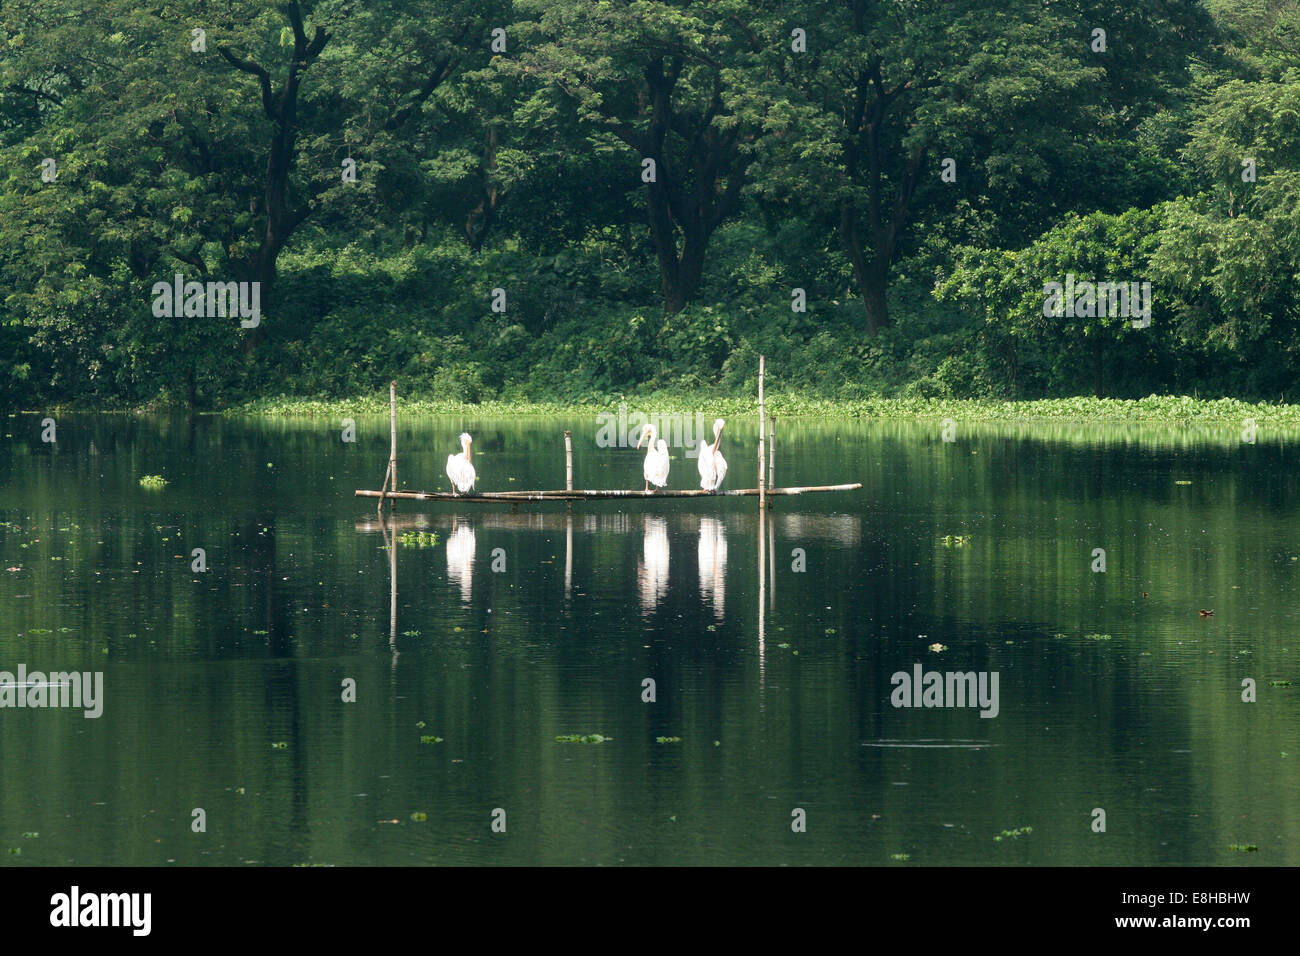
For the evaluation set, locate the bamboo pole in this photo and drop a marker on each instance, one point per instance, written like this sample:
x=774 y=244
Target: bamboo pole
x=762 y=450
x=568 y=461
x=383 y=488
x=392 y=432
x=564 y=494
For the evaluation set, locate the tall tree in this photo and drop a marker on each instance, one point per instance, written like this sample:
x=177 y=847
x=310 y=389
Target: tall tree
x=667 y=81
x=1001 y=90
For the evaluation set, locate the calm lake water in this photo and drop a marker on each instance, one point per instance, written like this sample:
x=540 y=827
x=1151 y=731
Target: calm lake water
x=223 y=688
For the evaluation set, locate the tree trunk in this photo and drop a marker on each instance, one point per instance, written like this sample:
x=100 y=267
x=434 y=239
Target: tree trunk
x=871 y=276
x=873 y=286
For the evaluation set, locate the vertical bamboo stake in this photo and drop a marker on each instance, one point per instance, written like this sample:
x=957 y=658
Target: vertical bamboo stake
x=382 y=489
x=568 y=461
x=762 y=450
x=392 y=432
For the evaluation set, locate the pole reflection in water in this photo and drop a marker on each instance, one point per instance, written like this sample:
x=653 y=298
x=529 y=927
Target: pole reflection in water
x=460 y=556
x=762 y=605
x=390 y=542
x=568 y=550
x=771 y=563
x=652 y=570
x=713 y=565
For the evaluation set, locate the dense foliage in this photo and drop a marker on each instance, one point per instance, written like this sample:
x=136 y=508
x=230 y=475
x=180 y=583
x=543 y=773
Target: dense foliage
x=570 y=200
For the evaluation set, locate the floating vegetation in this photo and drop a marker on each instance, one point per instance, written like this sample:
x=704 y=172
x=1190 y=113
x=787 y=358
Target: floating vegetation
x=430 y=739
x=418 y=817
x=900 y=857
x=30 y=835
x=281 y=745
x=420 y=724
x=1182 y=482
x=1012 y=834
x=783 y=646
x=668 y=740
x=410 y=634
x=152 y=481
x=830 y=630
x=582 y=738
x=937 y=647
x=15 y=851
x=418 y=539
x=955 y=540
x=1279 y=683
x=40 y=630
x=1096 y=637
x=1244 y=847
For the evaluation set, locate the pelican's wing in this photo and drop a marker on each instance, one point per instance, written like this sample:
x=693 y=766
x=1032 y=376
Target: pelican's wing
x=702 y=461
x=720 y=469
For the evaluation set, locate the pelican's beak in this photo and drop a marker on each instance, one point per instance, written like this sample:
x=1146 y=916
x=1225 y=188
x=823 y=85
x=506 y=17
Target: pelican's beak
x=639 y=441
x=718 y=438
x=469 y=451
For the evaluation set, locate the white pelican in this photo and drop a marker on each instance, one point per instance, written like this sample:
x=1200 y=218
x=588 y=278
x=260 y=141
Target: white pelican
x=460 y=468
x=655 y=468
x=713 y=467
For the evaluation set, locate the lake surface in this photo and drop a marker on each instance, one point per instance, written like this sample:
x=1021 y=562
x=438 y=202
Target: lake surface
x=223 y=689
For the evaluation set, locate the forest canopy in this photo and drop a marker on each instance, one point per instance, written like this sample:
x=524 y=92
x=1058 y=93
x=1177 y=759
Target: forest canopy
x=574 y=199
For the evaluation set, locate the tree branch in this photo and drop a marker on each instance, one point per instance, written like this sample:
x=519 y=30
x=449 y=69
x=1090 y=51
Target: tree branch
x=263 y=77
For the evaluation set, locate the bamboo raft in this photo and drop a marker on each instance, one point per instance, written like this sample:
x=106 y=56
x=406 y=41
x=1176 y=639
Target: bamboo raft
x=574 y=494
x=766 y=474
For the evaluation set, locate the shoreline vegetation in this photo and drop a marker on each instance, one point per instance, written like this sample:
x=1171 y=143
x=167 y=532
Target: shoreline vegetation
x=1154 y=409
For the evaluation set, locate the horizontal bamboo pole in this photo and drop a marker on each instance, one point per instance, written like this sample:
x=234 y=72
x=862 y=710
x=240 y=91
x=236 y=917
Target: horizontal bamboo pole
x=594 y=495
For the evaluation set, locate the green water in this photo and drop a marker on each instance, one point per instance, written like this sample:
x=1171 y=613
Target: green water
x=779 y=685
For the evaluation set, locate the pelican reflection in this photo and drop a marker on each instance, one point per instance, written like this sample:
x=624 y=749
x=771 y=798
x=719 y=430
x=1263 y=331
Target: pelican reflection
x=652 y=569
x=713 y=565
x=460 y=558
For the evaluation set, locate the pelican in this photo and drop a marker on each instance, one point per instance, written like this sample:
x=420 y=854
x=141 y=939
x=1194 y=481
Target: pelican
x=460 y=468
x=655 y=468
x=713 y=467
